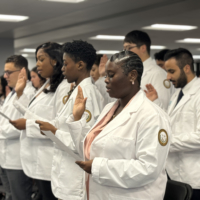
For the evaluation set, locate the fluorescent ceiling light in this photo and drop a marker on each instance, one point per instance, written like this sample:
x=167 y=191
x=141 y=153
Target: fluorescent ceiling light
x=196 y=56
x=157 y=47
x=189 y=40
x=107 y=52
x=170 y=27
x=107 y=37
x=25 y=55
x=28 y=50
x=65 y=1
x=12 y=18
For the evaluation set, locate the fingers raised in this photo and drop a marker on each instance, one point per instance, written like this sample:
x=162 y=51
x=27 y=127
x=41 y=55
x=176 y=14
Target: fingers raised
x=80 y=93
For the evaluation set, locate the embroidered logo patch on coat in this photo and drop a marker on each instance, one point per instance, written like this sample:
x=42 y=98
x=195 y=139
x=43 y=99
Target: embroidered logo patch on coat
x=65 y=98
x=167 y=83
x=89 y=115
x=163 y=137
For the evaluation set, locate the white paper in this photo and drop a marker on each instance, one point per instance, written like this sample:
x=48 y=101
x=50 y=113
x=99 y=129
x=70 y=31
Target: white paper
x=61 y=145
x=4 y=116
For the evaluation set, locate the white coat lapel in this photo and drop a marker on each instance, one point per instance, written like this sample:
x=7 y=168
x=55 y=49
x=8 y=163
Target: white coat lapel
x=193 y=90
x=173 y=102
x=41 y=96
x=124 y=115
x=183 y=101
x=115 y=123
x=83 y=83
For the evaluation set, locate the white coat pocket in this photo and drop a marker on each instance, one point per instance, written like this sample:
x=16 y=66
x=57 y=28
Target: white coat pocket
x=44 y=160
x=119 y=148
x=68 y=170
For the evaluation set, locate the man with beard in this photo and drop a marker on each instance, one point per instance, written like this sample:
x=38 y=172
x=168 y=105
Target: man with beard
x=183 y=162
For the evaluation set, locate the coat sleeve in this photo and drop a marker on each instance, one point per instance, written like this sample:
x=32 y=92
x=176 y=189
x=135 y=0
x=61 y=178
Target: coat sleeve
x=188 y=141
x=164 y=94
x=22 y=103
x=8 y=131
x=33 y=129
x=77 y=129
x=149 y=161
x=77 y=132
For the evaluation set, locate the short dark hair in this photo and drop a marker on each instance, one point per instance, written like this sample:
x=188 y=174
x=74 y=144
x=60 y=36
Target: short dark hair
x=182 y=56
x=161 y=54
x=98 y=59
x=18 y=60
x=54 y=51
x=139 y=38
x=79 y=50
x=129 y=61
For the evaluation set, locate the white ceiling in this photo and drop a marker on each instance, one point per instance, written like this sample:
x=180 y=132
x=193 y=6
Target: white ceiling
x=63 y=22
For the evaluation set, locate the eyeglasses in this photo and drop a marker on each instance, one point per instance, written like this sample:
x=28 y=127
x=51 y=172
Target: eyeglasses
x=8 y=73
x=128 y=48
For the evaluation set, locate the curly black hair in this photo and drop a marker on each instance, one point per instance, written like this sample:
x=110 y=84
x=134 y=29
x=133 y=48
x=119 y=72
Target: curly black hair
x=129 y=61
x=54 y=51
x=79 y=50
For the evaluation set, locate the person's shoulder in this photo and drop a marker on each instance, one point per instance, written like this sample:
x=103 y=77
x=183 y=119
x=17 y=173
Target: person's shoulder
x=29 y=88
x=152 y=109
x=64 y=85
x=156 y=70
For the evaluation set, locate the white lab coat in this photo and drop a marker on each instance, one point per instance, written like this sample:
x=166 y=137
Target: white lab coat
x=129 y=162
x=66 y=175
x=183 y=162
x=101 y=85
x=37 y=150
x=9 y=135
x=155 y=75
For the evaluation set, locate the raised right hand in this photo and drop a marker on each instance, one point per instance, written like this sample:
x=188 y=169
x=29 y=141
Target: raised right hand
x=79 y=105
x=102 y=65
x=21 y=82
x=151 y=92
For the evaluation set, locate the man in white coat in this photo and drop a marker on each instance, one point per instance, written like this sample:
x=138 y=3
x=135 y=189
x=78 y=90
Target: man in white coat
x=20 y=184
x=139 y=42
x=183 y=161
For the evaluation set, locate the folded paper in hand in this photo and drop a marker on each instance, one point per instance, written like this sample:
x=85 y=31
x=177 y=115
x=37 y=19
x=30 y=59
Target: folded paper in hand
x=4 y=116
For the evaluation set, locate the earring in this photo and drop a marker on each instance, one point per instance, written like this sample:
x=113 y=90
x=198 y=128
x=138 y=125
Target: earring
x=132 y=82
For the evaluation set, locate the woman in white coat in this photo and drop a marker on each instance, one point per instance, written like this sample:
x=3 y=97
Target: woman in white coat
x=125 y=151
x=36 y=149
x=99 y=81
x=66 y=177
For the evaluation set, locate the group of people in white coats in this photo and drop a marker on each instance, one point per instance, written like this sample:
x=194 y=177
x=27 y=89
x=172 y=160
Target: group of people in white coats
x=121 y=150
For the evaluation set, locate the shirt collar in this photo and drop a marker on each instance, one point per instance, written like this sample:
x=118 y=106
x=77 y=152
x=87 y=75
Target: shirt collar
x=188 y=86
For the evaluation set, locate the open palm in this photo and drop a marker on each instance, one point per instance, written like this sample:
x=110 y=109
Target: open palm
x=21 y=82
x=151 y=92
x=79 y=105
x=102 y=65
